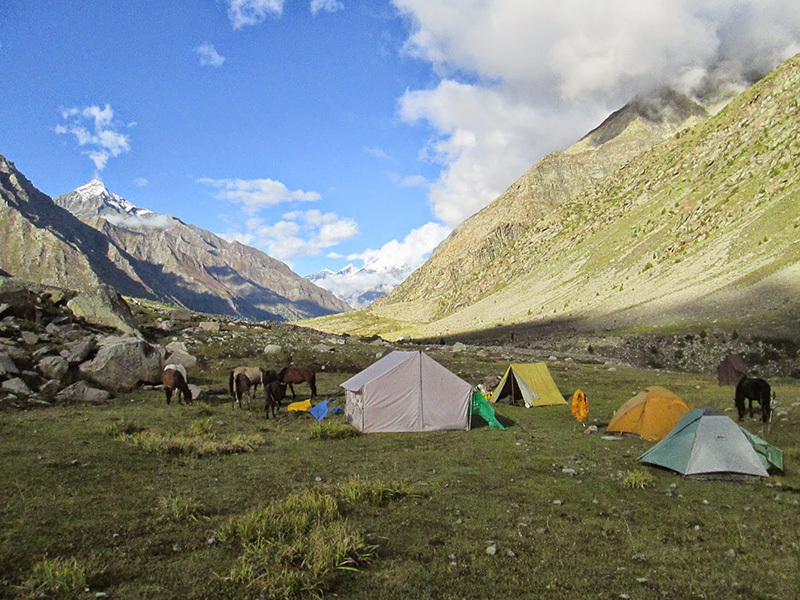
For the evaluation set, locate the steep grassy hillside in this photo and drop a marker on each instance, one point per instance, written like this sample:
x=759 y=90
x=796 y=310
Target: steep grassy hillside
x=703 y=229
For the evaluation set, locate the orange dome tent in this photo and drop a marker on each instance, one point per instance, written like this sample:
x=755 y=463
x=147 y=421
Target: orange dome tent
x=651 y=414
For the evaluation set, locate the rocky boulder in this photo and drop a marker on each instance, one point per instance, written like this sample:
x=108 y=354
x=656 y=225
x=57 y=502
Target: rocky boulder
x=122 y=363
x=104 y=306
x=83 y=392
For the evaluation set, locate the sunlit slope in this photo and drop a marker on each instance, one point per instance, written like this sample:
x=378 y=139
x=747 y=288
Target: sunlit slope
x=703 y=228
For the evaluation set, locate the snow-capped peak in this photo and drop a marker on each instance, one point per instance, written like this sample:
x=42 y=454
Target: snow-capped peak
x=97 y=189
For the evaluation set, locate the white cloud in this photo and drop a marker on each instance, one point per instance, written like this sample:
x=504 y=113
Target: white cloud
x=95 y=128
x=209 y=57
x=252 y=12
x=151 y=221
x=141 y=182
x=406 y=255
x=255 y=194
x=540 y=74
x=325 y=5
x=297 y=234
x=384 y=268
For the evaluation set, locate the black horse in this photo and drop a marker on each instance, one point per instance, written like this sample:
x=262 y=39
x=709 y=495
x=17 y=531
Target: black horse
x=754 y=389
x=274 y=391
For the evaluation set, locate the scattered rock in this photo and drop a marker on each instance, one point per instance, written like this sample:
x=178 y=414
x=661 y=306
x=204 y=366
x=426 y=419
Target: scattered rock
x=209 y=326
x=104 y=306
x=731 y=553
x=182 y=358
x=80 y=391
x=54 y=367
x=16 y=385
x=7 y=366
x=273 y=349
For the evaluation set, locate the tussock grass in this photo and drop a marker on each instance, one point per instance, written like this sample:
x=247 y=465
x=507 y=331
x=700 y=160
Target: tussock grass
x=356 y=489
x=179 y=507
x=294 y=545
x=57 y=578
x=638 y=479
x=193 y=445
x=333 y=430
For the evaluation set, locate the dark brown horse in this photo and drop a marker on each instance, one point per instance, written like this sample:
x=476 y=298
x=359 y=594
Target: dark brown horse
x=291 y=375
x=247 y=379
x=274 y=391
x=174 y=378
x=757 y=390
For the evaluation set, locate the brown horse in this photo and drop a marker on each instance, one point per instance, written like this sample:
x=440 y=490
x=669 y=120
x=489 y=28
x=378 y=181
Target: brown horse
x=247 y=379
x=290 y=375
x=174 y=378
x=274 y=391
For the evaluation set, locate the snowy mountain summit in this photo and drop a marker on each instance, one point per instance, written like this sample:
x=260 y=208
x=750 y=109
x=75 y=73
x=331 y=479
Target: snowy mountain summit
x=95 y=200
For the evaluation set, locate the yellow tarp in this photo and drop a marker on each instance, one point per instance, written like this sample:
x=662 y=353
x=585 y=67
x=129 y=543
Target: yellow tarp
x=651 y=414
x=532 y=381
x=303 y=406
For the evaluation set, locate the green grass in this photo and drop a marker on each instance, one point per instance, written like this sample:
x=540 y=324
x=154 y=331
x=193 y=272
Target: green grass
x=413 y=514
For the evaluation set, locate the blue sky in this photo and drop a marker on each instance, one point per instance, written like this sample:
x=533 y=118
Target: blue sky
x=333 y=131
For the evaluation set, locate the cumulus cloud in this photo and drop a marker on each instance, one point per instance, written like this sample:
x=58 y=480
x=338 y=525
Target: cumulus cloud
x=522 y=77
x=95 y=130
x=405 y=255
x=325 y=5
x=384 y=268
x=255 y=194
x=296 y=234
x=209 y=57
x=252 y=12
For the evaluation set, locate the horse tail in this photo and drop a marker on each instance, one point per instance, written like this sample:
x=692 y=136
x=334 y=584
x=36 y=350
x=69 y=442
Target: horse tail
x=231 y=384
x=312 y=383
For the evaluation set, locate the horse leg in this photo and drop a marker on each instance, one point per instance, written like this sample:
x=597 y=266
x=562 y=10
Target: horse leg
x=168 y=393
x=291 y=387
x=313 y=385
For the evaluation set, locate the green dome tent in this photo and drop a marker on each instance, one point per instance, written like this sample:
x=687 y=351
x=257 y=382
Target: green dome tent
x=708 y=442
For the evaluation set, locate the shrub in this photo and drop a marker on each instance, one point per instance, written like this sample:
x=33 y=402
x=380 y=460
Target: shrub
x=638 y=479
x=177 y=507
x=333 y=430
x=294 y=545
x=57 y=578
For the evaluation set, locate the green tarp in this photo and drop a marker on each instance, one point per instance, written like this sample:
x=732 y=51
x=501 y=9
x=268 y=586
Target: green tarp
x=482 y=408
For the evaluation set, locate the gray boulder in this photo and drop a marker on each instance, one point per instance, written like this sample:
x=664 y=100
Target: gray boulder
x=50 y=388
x=7 y=366
x=79 y=351
x=177 y=347
x=80 y=391
x=53 y=367
x=122 y=363
x=182 y=358
x=17 y=386
x=104 y=306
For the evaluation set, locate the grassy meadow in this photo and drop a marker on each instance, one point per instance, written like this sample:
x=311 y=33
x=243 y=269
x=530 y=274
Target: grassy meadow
x=136 y=499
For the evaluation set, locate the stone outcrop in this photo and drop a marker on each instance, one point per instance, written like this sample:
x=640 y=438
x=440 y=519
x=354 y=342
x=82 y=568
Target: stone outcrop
x=123 y=363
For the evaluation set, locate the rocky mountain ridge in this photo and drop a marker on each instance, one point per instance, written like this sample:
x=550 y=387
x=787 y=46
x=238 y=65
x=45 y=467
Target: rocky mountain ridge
x=144 y=254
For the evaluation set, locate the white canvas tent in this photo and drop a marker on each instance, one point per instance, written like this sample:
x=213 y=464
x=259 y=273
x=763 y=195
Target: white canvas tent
x=407 y=391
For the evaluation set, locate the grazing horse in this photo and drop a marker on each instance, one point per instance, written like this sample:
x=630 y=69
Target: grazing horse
x=291 y=375
x=174 y=378
x=754 y=389
x=247 y=379
x=274 y=391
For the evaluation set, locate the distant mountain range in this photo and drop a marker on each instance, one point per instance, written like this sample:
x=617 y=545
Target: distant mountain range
x=93 y=236
x=361 y=287
x=663 y=217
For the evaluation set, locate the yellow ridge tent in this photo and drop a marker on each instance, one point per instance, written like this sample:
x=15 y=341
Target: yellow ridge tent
x=530 y=382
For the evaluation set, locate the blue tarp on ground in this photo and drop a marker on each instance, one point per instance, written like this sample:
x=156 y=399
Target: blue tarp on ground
x=320 y=410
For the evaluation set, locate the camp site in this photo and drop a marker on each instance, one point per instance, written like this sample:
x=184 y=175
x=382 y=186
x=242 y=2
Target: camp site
x=402 y=478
